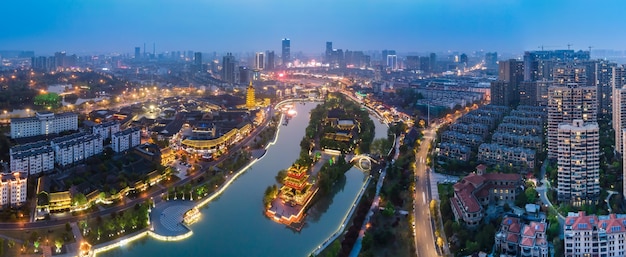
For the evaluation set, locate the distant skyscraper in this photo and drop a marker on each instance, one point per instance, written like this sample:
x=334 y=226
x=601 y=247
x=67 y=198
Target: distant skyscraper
x=534 y=92
x=137 y=53
x=228 y=68
x=433 y=63
x=329 y=52
x=385 y=59
x=412 y=63
x=603 y=72
x=505 y=91
x=578 y=162
x=270 y=60
x=463 y=59
x=59 y=57
x=491 y=60
x=259 y=61
x=424 y=64
x=197 y=61
x=244 y=75
x=286 y=51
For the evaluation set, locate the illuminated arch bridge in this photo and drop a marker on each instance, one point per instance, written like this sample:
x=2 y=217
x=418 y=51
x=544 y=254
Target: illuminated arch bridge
x=363 y=162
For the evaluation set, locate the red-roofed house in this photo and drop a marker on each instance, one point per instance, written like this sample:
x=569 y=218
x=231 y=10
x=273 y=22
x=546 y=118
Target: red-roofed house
x=530 y=241
x=475 y=191
x=594 y=235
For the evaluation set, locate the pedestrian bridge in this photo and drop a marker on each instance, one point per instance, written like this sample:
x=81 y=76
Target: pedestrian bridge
x=362 y=161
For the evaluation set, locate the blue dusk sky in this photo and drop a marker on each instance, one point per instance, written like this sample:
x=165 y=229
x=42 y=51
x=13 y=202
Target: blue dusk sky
x=83 y=26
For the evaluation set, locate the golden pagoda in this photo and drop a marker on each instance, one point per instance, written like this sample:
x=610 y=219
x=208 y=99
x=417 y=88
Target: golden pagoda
x=296 y=187
x=250 y=98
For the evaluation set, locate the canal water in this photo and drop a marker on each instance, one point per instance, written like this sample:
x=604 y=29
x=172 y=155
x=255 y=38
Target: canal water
x=234 y=224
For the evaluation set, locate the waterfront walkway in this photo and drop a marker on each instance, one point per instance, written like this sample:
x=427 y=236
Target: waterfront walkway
x=167 y=217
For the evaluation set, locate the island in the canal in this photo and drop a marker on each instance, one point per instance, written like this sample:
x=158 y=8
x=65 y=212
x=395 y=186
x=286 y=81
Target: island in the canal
x=337 y=127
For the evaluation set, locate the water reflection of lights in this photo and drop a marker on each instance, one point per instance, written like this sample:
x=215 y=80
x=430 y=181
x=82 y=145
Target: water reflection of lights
x=292 y=112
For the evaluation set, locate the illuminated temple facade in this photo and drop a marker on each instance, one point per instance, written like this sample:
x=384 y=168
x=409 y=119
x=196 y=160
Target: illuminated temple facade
x=296 y=189
x=250 y=97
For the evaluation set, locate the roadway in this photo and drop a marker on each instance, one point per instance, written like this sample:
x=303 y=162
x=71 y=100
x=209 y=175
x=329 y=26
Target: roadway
x=423 y=228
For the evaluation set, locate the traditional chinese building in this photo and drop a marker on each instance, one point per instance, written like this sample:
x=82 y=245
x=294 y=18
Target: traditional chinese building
x=296 y=193
x=250 y=98
x=296 y=187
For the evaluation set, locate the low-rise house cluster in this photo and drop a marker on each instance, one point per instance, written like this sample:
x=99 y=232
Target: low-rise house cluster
x=524 y=130
x=476 y=129
x=523 y=120
x=517 y=157
x=471 y=118
x=448 y=98
x=510 y=139
x=454 y=137
x=452 y=151
x=515 y=238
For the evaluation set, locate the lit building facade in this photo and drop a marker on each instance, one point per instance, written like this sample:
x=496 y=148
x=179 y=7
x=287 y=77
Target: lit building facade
x=567 y=103
x=125 y=139
x=286 y=52
x=106 y=129
x=76 y=147
x=259 y=61
x=13 y=188
x=44 y=123
x=250 y=97
x=591 y=235
x=32 y=158
x=578 y=162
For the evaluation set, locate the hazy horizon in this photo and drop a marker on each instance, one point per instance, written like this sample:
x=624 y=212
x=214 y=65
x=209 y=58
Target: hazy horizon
x=506 y=26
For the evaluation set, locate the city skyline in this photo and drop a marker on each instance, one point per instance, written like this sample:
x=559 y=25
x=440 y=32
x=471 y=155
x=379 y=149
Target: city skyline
x=406 y=26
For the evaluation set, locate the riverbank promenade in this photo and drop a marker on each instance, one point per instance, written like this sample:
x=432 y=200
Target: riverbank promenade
x=167 y=218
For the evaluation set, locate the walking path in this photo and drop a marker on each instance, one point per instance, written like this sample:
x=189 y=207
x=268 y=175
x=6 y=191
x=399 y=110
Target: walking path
x=356 y=249
x=608 y=199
